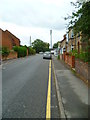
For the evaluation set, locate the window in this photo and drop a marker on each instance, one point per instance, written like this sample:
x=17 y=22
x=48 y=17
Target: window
x=13 y=43
x=72 y=34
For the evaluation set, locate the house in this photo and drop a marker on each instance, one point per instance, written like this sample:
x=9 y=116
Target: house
x=0 y=37
x=8 y=39
x=63 y=44
x=74 y=41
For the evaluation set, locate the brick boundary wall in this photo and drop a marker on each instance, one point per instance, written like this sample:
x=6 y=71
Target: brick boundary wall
x=70 y=60
x=61 y=56
x=82 y=69
x=12 y=55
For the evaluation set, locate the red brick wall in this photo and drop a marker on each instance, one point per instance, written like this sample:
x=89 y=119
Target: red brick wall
x=66 y=59
x=14 y=38
x=82 y=69
x=11 y=55
x=9 y=40
x=6 y=40
x=61 y=56
x=70 y=60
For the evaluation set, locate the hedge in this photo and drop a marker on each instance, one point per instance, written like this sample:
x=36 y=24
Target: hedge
x=31 y=51
x=21 y=50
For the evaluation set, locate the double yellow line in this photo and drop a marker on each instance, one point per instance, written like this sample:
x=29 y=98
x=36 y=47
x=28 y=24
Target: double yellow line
x=48 y=108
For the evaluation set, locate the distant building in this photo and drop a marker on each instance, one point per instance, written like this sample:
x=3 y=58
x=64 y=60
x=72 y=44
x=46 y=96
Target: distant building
x=9 y=40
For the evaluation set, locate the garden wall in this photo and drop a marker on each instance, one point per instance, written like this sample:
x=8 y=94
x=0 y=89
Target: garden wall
x=82 y=69
x=70 y=60
x=11 y=55
x=61 y=56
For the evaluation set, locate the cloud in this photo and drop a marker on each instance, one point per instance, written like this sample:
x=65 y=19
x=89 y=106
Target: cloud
x=35 y=18
x=24 y=33
x=40 y=13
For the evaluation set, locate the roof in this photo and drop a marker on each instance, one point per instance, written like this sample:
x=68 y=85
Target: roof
x=12 y=34
x=64 y=38
x=1 y=29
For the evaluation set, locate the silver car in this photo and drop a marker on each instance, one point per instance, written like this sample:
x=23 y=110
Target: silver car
x=47 y=55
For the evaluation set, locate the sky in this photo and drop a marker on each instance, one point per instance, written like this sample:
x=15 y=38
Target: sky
x=35 y=18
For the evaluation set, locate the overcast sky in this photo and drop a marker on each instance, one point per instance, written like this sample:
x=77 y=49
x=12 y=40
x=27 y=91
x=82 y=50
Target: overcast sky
x=35 y=18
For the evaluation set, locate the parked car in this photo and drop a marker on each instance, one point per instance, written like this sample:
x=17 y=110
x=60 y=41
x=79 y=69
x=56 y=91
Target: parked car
x=56 y=52
x=52 y=51
x=47 y=55
x=40 y=52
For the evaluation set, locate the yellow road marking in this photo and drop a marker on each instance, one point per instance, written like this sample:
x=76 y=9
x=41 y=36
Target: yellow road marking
x=48 y=110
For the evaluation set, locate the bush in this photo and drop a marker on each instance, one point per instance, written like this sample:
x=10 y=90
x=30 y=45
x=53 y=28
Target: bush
x=58 y=57
x=21 y=50
x=5 y=51
x=83 y=55
x=74 y=53
x=31 y=51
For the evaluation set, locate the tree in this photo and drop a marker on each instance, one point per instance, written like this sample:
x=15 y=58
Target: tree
x=31 y=51
x=80 y=20
x=55 y=45
x=40 y=46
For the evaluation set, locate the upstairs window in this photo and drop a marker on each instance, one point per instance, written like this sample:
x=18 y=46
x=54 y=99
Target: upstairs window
x=72 y=34
x=13 y=43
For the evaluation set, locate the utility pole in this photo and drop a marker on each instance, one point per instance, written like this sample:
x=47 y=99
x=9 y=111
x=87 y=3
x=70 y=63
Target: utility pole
x=51 y=39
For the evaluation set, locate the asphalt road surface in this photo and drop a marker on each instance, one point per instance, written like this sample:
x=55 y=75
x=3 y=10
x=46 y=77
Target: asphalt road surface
x=24 y=88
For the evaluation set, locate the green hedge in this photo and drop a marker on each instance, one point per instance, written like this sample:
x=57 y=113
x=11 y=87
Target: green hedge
x=31 y=51
x=21 y=50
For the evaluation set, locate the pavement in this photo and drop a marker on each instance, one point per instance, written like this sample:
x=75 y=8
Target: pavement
x=72 y=92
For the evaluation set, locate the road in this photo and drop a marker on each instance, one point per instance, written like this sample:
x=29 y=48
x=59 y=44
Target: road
x=25 y=86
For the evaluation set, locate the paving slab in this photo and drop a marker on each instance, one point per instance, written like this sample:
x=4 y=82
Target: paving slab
x=73 y=91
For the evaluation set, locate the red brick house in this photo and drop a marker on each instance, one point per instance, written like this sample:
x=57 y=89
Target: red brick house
x=9 y=40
